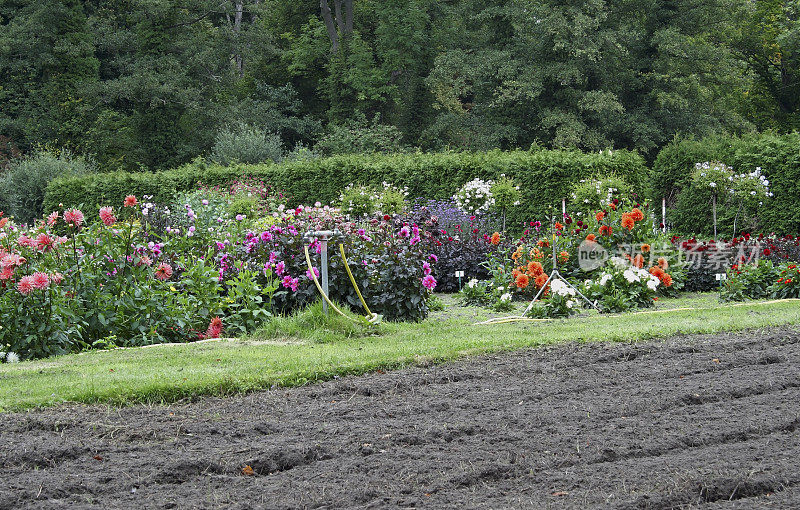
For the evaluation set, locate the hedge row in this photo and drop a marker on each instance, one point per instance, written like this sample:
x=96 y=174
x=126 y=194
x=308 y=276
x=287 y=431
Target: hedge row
x=690 y=210
x=545 y=177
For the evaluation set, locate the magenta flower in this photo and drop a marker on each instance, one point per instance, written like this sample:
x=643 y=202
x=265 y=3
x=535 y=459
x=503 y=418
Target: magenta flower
x=426 y=268
x=433 y=258
x=316 y=273
x=280 y=268
x=404 y=232
x=429 y=282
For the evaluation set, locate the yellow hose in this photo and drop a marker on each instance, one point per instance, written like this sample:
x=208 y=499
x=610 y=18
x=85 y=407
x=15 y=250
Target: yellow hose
x=319 y=288
x=353 y=280
x=372 y=319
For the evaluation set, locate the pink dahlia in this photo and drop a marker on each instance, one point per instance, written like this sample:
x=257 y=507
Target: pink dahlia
x=73 y=218
x=7 y=273
x=163 y=271
x=26 y=241
x=56 y=278
x=214 y=329
x=130 y=201
x=53 y=218
x=107 y=215
x=40 y=281
x=426 y=268
x=25 y=285
x=44 y=242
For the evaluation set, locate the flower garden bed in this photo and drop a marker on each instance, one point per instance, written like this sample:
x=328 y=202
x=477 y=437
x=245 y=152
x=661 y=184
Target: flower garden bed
x=224 y=261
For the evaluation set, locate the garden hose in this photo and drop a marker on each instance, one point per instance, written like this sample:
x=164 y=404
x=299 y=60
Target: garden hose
x=369 y=320
x=506 y=320
x=372 y=316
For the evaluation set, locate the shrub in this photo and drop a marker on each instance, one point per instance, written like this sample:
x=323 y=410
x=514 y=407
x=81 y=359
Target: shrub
x=246 y=144
x=749 y=281
x=776 y=155
x=544 y=177
x=358 y=200
x=788 y=283
x=594 y=194
x=622 y=287
x=25 y=181
x=360 y=137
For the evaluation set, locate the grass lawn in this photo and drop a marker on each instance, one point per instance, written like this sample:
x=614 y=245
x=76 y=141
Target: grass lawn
x=171 y=372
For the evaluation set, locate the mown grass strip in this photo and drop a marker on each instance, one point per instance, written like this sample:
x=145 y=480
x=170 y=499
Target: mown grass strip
x=170 y=373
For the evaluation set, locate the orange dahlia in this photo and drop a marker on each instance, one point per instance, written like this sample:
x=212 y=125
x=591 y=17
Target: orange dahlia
x=663 y=263
x=544 y=243
x=627 y=221
x=638 y=261
x=645 y=248
x=605 y=230
x=637 y=214
x=535 y=268
x=563 y=256
x=657 y=272
x=591 y=237
x=495 y=240
x=559 y=226
x=666 y=280
x=522 y=281
x=599 y=216
x=541 y=280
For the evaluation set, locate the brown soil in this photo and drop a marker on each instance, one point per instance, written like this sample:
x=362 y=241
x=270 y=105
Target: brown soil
x=708 y=421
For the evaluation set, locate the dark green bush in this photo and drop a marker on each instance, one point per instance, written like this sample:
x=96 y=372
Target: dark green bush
x=777 y=155
x=544 y=176
x=23 y=184
x=244 y=143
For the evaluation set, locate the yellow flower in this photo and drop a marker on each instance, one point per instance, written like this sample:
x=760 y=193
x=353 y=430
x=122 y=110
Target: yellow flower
x=172 y=288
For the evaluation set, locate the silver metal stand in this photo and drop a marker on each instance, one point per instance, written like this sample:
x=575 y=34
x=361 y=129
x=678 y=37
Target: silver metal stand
x=554 y=274
x=323 y=236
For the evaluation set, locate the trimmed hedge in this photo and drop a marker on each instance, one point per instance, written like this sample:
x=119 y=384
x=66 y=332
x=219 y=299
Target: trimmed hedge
x=690 y=211
x=545 y=177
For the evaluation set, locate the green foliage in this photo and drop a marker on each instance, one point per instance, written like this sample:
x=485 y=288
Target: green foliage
x=246 y=144
x=23 y=185
x=360 y=137
x=544 y=177
x=505 y=193
x=690 y=207
x=787 y=286
x=621 y=287
x=147 y=84
x=595 y=193
x=749 y=281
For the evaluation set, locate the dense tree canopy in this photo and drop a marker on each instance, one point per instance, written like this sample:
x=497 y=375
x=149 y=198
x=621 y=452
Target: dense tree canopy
x=154 y=83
